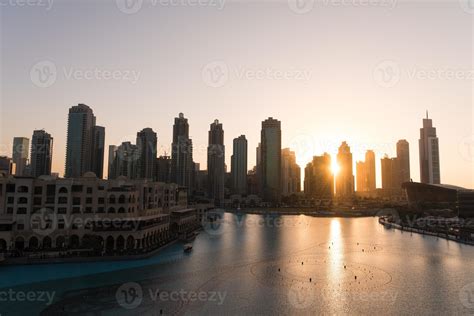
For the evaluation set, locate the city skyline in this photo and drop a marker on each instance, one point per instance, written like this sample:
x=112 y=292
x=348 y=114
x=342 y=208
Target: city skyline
x=182 y=126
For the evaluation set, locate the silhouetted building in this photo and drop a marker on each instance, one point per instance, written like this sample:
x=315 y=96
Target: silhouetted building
x=126 y=157
x=98 y=151
x=290 y=173
x=391 y=183
x=80 y=152
x=239 y=165
x=345 y=177
x=6 y=165
x=20 y=155
x=147 y=143
x=163 y=169
x=41 y=154
x=365 y=173
x=182 y=165
x=319 y=179
x=271 y=160
x=403 y=155
x=429 y=153
x=216 y=163
x=252 y=182
x=111 y=163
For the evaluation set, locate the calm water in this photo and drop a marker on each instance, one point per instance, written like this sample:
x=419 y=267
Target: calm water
x=254 y=264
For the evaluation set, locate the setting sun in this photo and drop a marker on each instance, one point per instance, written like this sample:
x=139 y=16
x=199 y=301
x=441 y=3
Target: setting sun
x=335 y=167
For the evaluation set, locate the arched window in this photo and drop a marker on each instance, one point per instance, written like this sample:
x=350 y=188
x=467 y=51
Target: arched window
x=63 y=190
x=122 y=199
x=22 y=200
x=33 y=243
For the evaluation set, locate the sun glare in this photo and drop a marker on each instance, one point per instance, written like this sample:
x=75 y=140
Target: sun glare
x=335 y=167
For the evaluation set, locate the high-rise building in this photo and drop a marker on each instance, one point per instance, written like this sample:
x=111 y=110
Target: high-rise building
x=20 y=155
x=391 y=172
x=319 y=179
x=81 y=133
x=290 y=173
x=403 y=155
x=365 y=173
x=258 y=171
x=345 y=177
x=111 y=164
x=147 y=143
x=182 y=165
x=239 y=165
x=216 y=163
x=6 y=165
x=271 y=160
x=98 y=151
x=163 y=169
x=41 y=153
x=429 y=153
x=125 y=161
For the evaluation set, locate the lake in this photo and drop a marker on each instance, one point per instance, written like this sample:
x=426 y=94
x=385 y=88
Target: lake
x=260 y=264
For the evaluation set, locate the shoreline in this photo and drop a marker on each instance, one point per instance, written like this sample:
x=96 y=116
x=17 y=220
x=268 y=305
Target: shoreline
x=383 y=221
x=309 y=212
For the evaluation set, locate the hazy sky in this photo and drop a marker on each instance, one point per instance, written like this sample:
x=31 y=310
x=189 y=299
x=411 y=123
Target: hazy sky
x=332 y=70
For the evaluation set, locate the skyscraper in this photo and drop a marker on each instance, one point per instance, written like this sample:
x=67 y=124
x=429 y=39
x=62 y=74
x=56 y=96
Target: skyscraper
x=290 y=173
x=147 y=143
x=20 y=154
x=345 y=177
x=365 y=173
x=391 y=172
x=163 y=169
x=216 y=163
x=429 y=153
x=403 y=155
x=271 y=160
x=239 y=165
x=319 y=180
x=182 y=165
x=125 y=161
x=80 y=154
x=98 y=151
x=111 y=164
x=41 y=153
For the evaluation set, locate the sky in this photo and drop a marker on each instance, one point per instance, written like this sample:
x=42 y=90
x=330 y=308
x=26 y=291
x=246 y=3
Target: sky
x=359 y=71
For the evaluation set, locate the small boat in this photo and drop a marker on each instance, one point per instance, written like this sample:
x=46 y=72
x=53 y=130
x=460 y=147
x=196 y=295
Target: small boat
x=188 y=248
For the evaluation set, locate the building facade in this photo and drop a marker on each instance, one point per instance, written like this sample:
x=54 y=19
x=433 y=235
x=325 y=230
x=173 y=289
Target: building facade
x=239 y=165
x=290 y=173
x=147 y=143
x=182 y=164
x=345 y=177
x=41 y=154
x=80 y=152
x=403 y=155
x=319 y=179
x=20 y=154
x=271 y=160
x=216 y=163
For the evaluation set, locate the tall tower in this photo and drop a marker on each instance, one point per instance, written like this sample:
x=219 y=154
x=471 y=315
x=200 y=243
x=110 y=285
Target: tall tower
x=81 y=131
x=319 y=179
x=20 y=154
x=41 y=153
x=271 y=160
x=98 y=151
x=216 y=163
x=239 y=165
x=147 y=143
x=403 y=155
x=182 y=165
x=290 y=173
x=370 y=170
x=345 y=177
x=429 y=153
